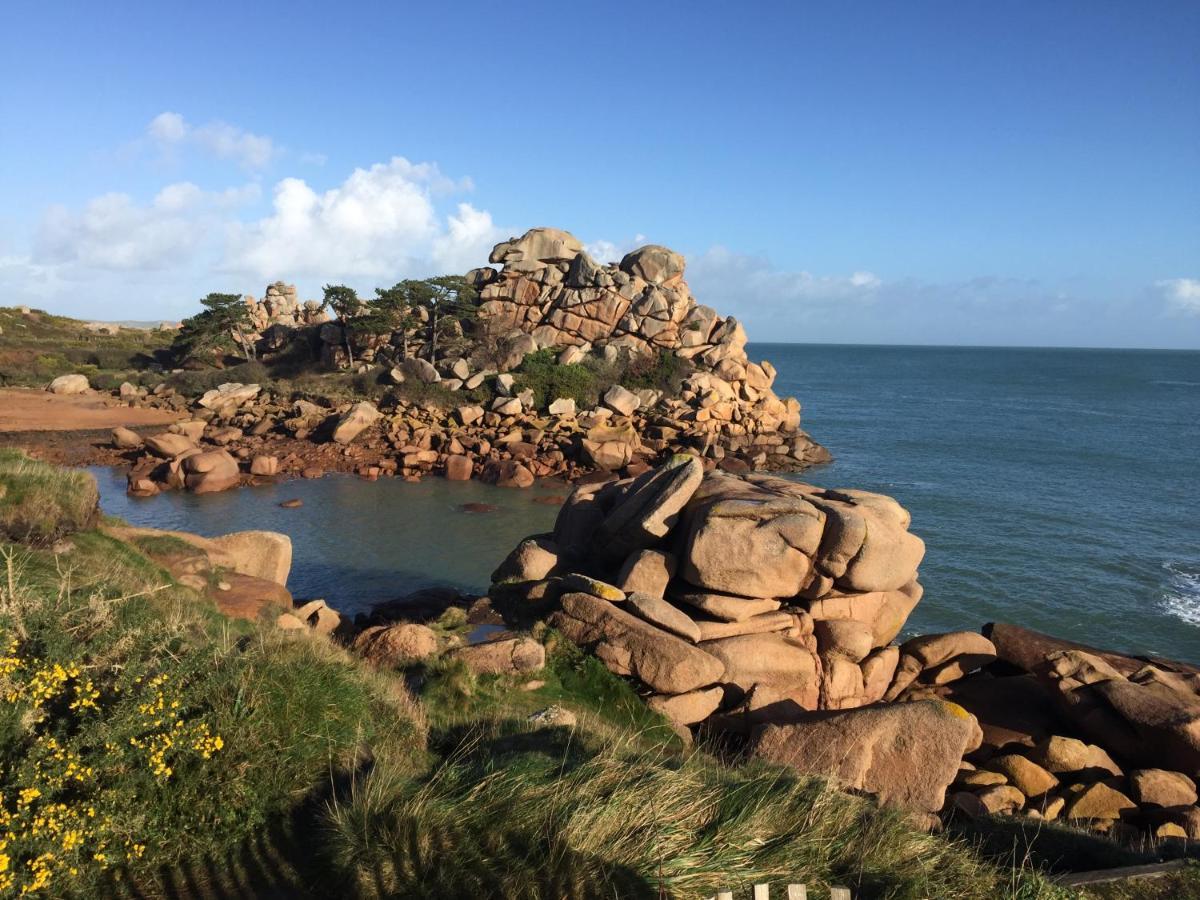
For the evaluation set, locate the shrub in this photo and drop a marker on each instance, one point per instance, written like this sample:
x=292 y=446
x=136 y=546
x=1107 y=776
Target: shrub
x=195 y=382
x=541 y=373
x=417 y=392
x=40 y=503
x=663 y=372
x=139 y=728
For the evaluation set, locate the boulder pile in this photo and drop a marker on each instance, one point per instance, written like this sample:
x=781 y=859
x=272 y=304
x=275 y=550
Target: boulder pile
x=739 y=600
x=281 y=308
x=766 y=611
x=550 y=293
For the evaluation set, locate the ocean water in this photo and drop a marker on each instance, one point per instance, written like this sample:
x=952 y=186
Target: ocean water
x=1059 y=489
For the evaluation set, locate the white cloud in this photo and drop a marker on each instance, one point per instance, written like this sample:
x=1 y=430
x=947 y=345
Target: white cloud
x=1182 y=295
x=467 y=241
x=608 y=251
x=752 y=282
x=168 y=128
x=169 y=131
x=114 y=232
x=381 y=222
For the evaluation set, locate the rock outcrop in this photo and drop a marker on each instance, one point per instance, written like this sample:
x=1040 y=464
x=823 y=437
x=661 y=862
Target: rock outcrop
x=783 y=595
x=768 y=610
x=905 y=754
x=548 y=294
x=69 y=384
x=550 y=289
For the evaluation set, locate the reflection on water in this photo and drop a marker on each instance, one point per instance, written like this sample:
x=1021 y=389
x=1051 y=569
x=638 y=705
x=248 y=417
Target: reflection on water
x=359 y=542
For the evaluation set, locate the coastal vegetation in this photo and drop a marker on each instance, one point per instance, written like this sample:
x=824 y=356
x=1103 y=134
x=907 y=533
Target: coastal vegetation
x=36 y=346
x=148 y=740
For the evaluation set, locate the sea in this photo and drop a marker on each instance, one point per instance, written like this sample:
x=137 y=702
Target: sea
x=1055 y=488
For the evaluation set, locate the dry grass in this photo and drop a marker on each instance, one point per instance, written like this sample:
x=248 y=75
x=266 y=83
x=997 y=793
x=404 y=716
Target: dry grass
x=40 y=503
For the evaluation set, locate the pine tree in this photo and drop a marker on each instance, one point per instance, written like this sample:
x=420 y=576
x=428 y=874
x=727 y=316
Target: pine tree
x=346 y=306
x=222 y=326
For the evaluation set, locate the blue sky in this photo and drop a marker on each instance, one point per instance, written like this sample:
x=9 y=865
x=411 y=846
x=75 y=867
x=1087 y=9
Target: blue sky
x=921 y=172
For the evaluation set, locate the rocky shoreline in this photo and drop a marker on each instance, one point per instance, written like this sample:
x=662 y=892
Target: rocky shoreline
x=547 y=297
x=762 y=614
x=761 y=618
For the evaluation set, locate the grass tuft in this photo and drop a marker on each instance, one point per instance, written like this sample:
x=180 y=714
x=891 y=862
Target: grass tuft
x=40 y=503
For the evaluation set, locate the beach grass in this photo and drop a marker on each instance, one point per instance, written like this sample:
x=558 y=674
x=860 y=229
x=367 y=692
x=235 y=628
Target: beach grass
x=40 y=503
x=182 y=753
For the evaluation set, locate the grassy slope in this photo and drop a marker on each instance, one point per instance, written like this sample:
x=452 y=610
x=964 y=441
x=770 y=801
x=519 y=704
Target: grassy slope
x=37 y=347
x=333 y=779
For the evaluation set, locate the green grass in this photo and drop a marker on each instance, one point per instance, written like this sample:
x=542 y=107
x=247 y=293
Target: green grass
x=116 y=685
x=540 y=372
x=333 y=778
x=40 y=503
x=38 y=346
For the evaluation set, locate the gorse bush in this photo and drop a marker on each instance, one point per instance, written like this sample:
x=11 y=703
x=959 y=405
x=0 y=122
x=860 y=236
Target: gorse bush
x=139 y=727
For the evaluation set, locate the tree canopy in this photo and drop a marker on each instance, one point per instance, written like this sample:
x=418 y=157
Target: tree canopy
x=222 y=326
x=347 y=306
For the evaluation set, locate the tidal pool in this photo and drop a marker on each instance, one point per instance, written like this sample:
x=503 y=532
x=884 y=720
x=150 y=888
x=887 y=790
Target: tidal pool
x=356 y=542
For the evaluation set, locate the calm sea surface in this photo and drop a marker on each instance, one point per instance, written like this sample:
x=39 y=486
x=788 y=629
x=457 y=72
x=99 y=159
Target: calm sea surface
x=1055 y=488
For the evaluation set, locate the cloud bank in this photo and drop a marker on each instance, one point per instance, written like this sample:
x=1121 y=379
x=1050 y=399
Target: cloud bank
x=1182 y=295
x=121 y=255
x=169 y=131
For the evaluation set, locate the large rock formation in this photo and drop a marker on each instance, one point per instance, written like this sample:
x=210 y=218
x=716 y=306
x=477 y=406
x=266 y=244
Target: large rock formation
x=550 y=289
x=767 y=609
x=906 y=754
x=784 y=595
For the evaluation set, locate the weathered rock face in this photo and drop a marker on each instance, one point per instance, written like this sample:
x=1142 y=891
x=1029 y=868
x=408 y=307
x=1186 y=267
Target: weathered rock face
x=354 y=421
x=906 y=754
x=508 y=656
x=1143 y=720
x=281 y=306
x=549 y=289
x=631 y=646
x=739 y=582
x=393 y=645
x=209 y=472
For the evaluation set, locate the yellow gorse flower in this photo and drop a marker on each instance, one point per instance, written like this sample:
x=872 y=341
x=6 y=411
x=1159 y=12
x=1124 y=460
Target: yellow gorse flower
x=54 y=827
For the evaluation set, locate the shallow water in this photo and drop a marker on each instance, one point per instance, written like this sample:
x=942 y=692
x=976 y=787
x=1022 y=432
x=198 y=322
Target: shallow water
x=358 y=542
x=1059 y=489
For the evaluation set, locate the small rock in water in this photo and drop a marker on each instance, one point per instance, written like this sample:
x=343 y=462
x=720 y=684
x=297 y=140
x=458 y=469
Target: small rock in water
x=294 y=503
x=551 y=500
x=479 y=508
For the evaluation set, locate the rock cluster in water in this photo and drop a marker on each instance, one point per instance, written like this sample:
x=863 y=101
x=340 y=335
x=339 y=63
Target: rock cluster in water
x=548 y=293
x=766 y=610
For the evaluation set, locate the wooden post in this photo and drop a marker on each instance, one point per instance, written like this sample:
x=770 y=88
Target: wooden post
x=762 y=892
x=839 y=893
x=797 y=892
x=724 y=895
